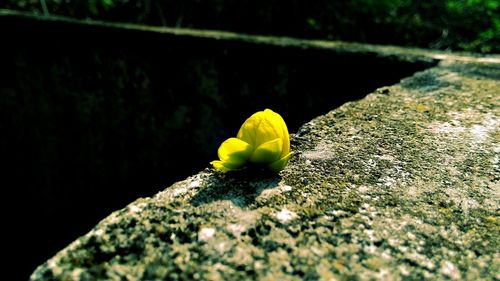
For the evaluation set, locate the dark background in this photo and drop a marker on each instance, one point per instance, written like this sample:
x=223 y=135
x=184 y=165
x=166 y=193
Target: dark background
x=470 y=25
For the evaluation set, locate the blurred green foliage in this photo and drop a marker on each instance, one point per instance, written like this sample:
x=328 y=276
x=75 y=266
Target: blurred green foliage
x=470 y=25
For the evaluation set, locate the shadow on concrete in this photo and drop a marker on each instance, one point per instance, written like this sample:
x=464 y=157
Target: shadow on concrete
x=241 y=188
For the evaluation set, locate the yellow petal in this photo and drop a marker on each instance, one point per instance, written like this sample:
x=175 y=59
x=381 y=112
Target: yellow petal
x=262 y=127
x=276 y=121
x=235 y=151
x=219 y=165
x=280 y=164
x=267 y=152
x=248 y=130
x=267 y=131
x=282 y=129
x=226 y=166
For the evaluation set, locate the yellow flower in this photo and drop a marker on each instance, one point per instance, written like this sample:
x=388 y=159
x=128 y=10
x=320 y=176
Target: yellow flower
x=263 y=139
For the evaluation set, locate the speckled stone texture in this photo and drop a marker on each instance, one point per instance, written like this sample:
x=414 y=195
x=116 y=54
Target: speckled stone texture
x=403 y=184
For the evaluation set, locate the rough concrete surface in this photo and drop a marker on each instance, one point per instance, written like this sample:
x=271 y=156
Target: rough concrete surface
x=403 y=184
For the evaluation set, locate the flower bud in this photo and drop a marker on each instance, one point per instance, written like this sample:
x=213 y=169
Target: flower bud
x=263 y=139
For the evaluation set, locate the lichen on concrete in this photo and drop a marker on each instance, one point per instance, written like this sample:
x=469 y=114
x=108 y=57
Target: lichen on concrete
x=403 y=184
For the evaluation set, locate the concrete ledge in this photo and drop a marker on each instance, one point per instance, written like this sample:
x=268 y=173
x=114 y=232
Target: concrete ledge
x=97 y=113
x=403 y=184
